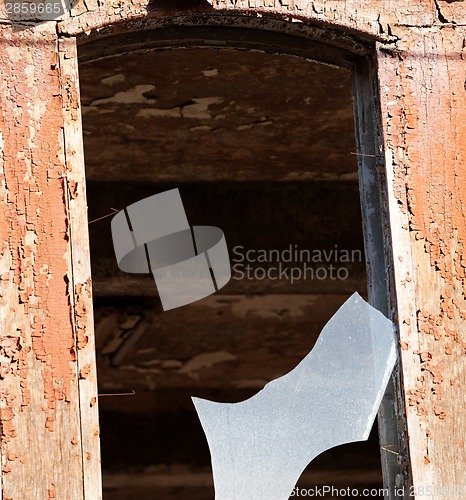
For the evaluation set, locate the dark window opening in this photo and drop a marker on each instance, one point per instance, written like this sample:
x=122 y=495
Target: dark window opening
x=261 y=146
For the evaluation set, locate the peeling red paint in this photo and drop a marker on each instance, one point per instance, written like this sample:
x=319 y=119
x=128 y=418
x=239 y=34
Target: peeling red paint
x=429 y=325
x=435 y=208
x=81 y=313
x=73 y=189
x=435 y=371
x=50 y=423
x=84 y=372
x=439 y=413
x=38 y=262
x=51 y=492
x=37 y=342
x=8 y=429
x=424 y=106
x=12 y=456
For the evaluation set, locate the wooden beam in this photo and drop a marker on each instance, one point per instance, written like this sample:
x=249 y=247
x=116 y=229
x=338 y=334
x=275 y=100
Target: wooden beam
x=309 y=242
x=148 y=483
x=49 y=428
x=134 y=285
x=375 y=216
x=80 y=272
x=423 y=104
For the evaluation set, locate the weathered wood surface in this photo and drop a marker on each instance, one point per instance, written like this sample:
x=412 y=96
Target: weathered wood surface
x=49 y=433
x=375 y=219
x=368 y=17
x=81 y=296
x=423 y=103
x=45 y=292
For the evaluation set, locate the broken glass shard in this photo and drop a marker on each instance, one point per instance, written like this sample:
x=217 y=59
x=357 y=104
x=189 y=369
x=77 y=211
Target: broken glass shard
x=260 y=447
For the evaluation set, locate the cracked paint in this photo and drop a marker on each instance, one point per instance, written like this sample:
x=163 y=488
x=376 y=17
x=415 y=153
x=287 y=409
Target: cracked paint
x=359 y=16
x=424 y=129
x=37 y=336
x=425 y=83
x=39 y=231
x=198 y=109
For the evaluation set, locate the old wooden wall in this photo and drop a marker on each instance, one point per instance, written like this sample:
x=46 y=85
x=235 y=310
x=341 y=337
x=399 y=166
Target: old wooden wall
x=49 y=429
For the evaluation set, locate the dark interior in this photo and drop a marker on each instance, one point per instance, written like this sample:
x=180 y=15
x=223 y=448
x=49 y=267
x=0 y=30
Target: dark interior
x=261 y=145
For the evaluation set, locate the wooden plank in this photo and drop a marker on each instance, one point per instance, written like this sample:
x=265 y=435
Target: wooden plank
x=49 y=448
x=41 y=434
x=391 y=420
x=321 y=252
x=148 y=482
x=206 y=345
x=133 y=285
x=423 y=116
x=81 y=287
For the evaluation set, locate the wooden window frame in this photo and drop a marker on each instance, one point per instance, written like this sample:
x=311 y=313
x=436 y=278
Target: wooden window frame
x=408 y=68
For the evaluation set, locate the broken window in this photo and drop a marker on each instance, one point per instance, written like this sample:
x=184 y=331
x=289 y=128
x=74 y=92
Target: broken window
x=261 y=145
